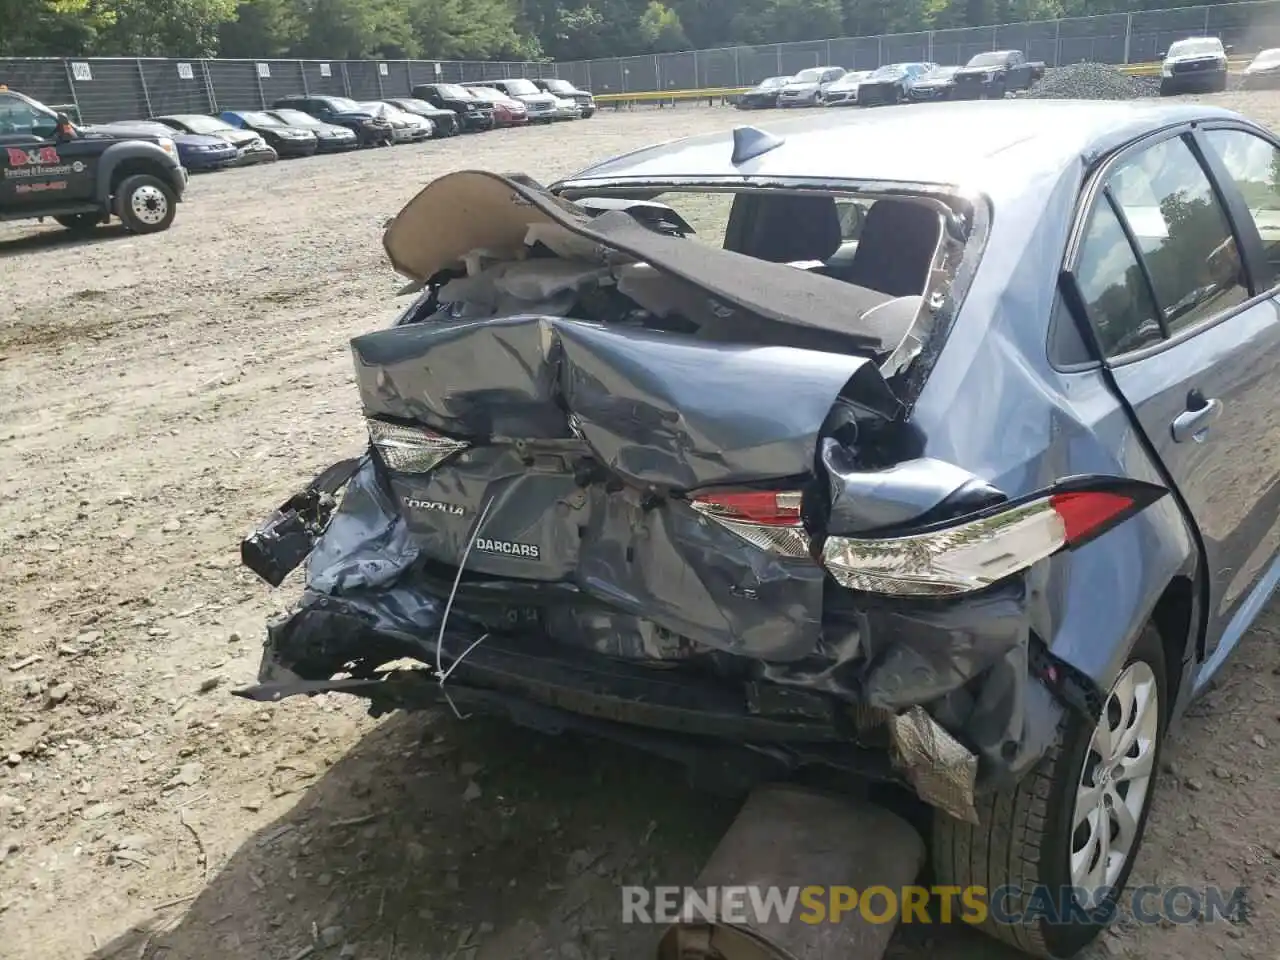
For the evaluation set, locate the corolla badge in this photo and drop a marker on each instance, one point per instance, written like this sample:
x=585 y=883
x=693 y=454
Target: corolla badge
x=438 y=506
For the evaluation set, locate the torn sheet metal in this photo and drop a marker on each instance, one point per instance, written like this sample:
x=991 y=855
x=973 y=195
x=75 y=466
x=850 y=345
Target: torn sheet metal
x=656 y=409
x=942 y=771
x=586 y=440
x=567 y=505
x=915 y=491
x=369 y=599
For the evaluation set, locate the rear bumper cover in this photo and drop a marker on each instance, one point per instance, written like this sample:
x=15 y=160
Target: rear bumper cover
x=943 y=698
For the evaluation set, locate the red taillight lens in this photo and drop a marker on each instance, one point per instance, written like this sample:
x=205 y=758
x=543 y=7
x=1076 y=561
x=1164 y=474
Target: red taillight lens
x=765 y=507
x=1083 y=513
x=766 y=519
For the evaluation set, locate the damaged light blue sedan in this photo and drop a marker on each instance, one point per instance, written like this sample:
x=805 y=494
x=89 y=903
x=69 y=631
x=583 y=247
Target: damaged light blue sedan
x=828 y=446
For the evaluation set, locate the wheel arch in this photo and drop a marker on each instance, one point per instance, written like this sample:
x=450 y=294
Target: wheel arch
x=123 y=160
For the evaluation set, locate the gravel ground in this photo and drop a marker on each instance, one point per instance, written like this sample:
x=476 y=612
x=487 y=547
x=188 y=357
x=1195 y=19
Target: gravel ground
x=162 y=394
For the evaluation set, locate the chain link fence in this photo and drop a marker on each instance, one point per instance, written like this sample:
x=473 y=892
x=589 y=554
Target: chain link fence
x=1109 y=38
x=103 y=89
x=106 y=89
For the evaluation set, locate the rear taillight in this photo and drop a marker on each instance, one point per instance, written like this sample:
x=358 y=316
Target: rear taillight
x=411 y=449
x=767 y=519
x=963 y=555
x=971 y=554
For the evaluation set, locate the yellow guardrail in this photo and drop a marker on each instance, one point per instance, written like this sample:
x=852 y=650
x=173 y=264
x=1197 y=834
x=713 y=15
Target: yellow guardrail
x=712 y=93
x=1153 y=69
x=660 y=96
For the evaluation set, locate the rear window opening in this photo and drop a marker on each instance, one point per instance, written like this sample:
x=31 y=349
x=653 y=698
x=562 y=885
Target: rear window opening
x=902 y=247
x=883 y=264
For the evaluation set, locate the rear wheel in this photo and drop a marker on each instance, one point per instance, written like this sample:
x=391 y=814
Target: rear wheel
x=1075 y=821
x=80 y=222
x=146 y=204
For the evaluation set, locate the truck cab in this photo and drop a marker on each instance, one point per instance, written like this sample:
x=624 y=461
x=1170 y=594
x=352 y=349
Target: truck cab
x=81 y=177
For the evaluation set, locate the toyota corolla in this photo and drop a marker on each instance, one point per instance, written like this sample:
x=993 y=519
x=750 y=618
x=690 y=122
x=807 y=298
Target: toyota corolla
x=817 y=446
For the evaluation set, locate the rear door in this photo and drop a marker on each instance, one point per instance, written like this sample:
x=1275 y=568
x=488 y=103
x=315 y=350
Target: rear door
x=1184 y=306
x=36 y=169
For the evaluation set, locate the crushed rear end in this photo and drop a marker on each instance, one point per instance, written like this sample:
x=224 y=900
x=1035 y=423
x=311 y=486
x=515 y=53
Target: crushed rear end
x=605 y=491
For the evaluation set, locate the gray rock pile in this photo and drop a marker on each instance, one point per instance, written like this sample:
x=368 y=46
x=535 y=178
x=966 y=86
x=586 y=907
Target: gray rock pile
x=1091 y=81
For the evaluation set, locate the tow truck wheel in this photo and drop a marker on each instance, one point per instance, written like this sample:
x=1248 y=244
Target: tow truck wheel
x=80 y=222
x=1074 y=823
x=146 y=204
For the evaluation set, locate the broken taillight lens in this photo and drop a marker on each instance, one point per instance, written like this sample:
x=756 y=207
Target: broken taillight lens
x=411 y=449
x=976 y=553
x=767 y=519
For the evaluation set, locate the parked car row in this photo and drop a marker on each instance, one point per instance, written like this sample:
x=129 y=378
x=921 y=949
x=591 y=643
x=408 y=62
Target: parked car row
x=158 y=153
x=302 y=125
x=985 y=76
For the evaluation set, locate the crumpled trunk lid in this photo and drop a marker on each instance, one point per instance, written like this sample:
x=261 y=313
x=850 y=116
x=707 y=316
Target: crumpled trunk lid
x=584 y=444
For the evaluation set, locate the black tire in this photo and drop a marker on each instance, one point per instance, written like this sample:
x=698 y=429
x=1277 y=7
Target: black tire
x=146 y=204
x=80 y=222
x=1025 y=836
x=1220 y=85
x=1167 y=89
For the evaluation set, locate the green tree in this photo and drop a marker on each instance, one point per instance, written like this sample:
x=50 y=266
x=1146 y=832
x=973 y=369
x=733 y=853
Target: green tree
x=147 y=28
x=35 y=28
x=468 y=29
x=661 y=29
x=262 y=28
x=774 y=21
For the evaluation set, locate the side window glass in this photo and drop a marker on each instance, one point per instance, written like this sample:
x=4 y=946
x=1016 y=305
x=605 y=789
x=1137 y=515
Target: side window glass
x=17 y=116
x=1114 y=291
x=1182 y=231
x=1254 y=165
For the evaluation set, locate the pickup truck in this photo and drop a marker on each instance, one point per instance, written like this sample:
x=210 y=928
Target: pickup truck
x=81 y=177
x=991 y=75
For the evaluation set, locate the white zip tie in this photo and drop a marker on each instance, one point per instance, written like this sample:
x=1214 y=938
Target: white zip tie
x=441 y=673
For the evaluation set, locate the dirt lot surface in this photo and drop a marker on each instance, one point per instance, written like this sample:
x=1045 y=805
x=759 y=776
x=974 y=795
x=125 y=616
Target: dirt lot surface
x=160 y=395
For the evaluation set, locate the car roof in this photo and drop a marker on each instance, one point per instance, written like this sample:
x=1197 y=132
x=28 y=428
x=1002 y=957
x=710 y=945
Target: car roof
x=972 y=143
x=1195 y=41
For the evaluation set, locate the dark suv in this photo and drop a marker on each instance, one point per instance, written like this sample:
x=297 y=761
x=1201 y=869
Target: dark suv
x=82 y=177
x=342 y=111
x=472 y=114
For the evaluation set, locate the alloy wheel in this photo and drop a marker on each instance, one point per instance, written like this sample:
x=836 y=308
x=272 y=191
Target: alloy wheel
x=1115 y=782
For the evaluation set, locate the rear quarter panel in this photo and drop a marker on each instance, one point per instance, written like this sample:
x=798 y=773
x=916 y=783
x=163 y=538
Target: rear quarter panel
x=994 y=405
